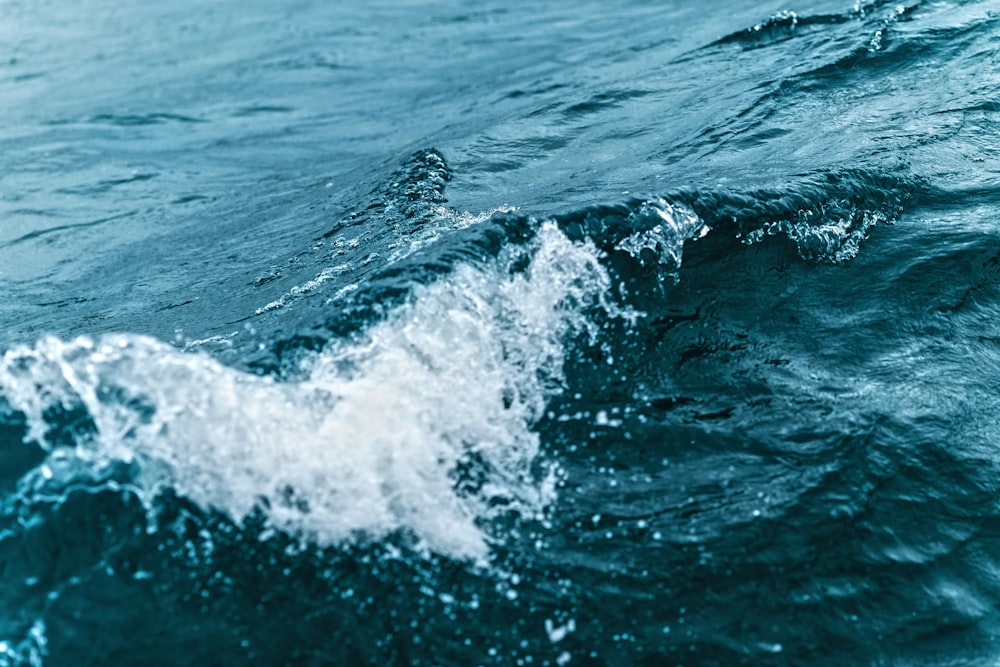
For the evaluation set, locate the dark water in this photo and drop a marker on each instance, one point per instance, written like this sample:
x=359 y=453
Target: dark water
x=521 y=333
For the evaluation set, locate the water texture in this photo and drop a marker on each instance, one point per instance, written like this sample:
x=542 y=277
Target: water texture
x=448 y=333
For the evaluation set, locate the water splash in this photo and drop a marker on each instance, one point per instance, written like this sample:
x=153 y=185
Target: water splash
x=662 y=244
x=27 y=652
x=420 y=425
x=877 y=41
x=830 y=233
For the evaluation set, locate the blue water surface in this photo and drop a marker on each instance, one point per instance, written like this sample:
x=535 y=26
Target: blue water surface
x=499 y=333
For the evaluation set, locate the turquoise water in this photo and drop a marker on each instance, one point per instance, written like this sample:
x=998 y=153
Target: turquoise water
x=432 y=333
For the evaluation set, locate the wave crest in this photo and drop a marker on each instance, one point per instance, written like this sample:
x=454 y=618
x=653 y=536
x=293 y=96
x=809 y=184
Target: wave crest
x=420 y=424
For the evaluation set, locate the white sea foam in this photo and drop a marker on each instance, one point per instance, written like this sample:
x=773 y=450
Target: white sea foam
x=371 y=440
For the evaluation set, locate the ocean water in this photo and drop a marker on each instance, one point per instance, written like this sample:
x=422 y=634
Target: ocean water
x=501 y=333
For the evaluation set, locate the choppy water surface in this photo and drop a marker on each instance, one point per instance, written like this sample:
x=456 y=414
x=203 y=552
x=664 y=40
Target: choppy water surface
x=440 y=333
